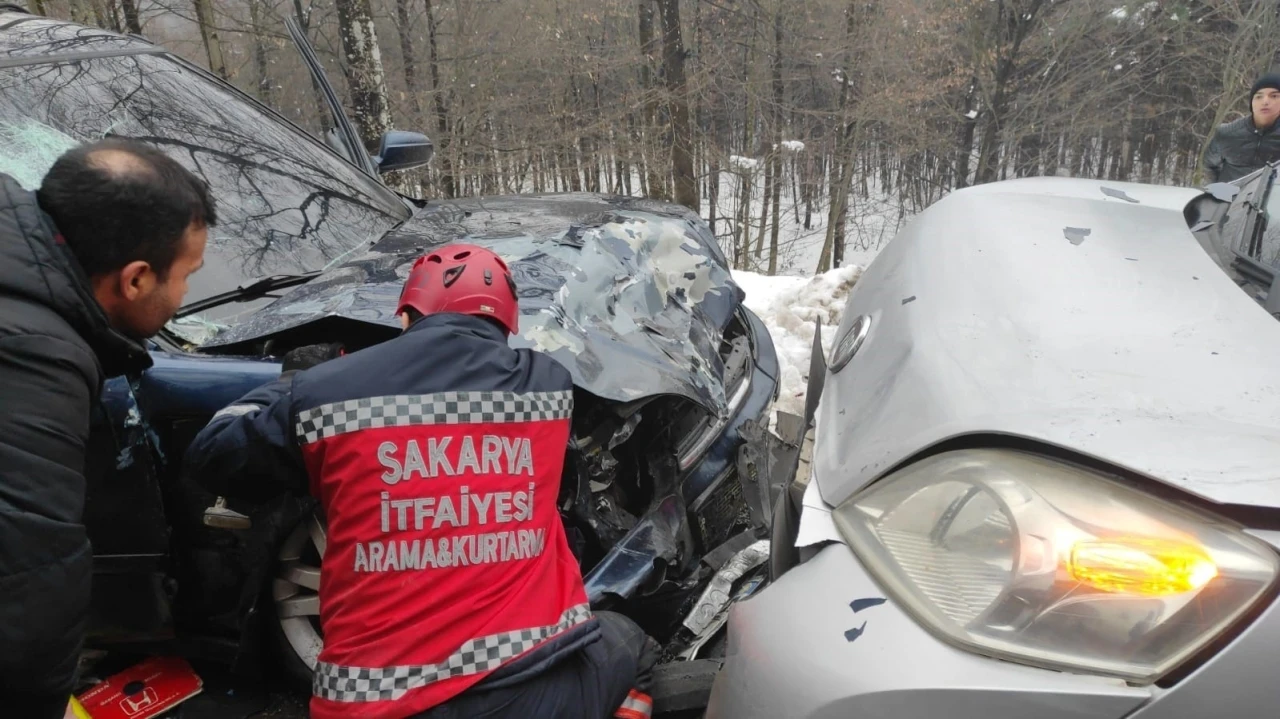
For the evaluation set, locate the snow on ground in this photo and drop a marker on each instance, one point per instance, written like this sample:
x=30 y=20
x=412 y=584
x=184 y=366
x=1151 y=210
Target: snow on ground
x=873 y=221
x=789 y=307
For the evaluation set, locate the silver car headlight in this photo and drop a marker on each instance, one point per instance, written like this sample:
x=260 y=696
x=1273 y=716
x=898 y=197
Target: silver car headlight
x=1036 y=561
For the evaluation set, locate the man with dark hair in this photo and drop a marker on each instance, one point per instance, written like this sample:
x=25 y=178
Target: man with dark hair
x=1247 y=144
x=90 y=265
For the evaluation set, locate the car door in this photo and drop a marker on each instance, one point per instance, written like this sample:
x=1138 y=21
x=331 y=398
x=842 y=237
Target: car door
x=125 y=519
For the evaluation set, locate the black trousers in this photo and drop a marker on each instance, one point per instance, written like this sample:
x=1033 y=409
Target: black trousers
x=46 y=706
x=588 y=684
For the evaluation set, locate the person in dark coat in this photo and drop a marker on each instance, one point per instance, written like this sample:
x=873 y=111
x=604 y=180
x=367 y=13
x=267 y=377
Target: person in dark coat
x=1242 y=146
x=90 y=265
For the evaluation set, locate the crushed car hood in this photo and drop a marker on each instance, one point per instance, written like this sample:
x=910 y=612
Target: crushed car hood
x=1055 y=311
x=630 y=295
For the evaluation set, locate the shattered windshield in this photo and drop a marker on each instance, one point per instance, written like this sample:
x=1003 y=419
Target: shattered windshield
x=286 y=204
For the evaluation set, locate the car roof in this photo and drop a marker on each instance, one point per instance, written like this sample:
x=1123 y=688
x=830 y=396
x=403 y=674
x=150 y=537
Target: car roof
x=25 y=37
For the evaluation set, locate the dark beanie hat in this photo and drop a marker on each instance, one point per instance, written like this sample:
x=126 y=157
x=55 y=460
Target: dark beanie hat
x=1271 y=80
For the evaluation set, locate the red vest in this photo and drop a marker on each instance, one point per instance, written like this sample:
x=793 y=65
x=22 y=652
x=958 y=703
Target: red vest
x=446 y=557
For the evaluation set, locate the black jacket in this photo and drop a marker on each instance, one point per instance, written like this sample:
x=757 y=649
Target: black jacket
x=1238 y=148
x=55 y=349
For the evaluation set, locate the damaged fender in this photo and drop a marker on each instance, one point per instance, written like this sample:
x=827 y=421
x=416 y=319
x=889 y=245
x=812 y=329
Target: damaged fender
x=660 y=539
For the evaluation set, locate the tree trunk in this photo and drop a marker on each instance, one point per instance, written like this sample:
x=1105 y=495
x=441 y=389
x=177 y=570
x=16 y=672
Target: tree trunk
x=806 y=186
x=840 y=220
x=448 y=183
x=655 y=186
x=598 y=164
x=364 y=70
x=686 y=183
x=1013 y=23
x=100 y=15
x=209 y=33
x=260 y=60
x=764 y=206
x=988 y=146
x=775 y=168
x=132 y=22
x=619 y=169
x=713 y=190
x=78 y=13
x=631 y=153
x=844 y=143
x=322 y=113
x=742 y=229
x=795 y=189
x=410 y=65
x=111 y=15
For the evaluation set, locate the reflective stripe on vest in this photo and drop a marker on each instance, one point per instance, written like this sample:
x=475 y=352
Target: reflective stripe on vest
x=330 y=420
x=637 y=705
x=371 y=684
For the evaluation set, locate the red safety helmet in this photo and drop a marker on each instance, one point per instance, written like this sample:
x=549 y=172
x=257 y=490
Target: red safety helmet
x=465 y=279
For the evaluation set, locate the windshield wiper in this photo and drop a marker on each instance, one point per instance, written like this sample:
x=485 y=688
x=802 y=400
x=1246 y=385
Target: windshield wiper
x=252 y=291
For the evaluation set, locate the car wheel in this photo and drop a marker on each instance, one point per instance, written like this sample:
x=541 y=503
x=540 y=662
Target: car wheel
x=682 y=690
x=295 y=594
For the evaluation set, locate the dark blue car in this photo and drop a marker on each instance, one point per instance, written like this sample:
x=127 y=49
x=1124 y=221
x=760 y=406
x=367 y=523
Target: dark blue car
x=672 y=372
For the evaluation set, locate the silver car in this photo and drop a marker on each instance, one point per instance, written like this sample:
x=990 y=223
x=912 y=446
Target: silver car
x=1045 y=476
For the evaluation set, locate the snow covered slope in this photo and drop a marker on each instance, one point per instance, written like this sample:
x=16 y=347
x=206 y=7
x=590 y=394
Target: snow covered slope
x=789 y=307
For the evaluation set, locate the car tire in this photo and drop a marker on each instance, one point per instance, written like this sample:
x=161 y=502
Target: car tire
x=681 y=690
x=295 y=600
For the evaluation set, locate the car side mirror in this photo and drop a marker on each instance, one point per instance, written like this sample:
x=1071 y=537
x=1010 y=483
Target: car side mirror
x=401 y=150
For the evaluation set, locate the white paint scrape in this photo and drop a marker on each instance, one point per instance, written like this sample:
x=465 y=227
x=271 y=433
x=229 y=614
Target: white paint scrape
x=789 y=307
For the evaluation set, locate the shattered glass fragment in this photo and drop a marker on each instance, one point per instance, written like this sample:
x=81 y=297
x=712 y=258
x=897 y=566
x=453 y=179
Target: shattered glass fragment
x=29 y=148
x=195 y=329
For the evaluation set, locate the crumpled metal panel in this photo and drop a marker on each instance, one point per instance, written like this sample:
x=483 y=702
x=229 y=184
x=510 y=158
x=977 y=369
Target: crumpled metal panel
x=1132 y=348
x=630 y=295
x=657 y=539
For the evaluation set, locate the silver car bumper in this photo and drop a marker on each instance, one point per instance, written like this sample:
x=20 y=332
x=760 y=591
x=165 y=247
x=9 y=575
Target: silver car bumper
x=798 y=649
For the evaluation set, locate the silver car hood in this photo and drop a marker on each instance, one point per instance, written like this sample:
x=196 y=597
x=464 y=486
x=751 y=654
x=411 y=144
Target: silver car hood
x=1055 y=310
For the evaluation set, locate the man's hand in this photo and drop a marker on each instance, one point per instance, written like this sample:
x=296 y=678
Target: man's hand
x=309 y=356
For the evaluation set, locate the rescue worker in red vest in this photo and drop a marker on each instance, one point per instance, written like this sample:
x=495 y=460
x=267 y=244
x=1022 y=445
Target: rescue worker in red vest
x=447 y=587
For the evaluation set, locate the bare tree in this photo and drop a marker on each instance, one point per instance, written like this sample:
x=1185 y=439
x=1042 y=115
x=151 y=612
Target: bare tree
x=447 y=185
x=363 y=68
x=209 y=33
x=775 y=163
x=686 y=183
x=897 y=101
x=655 y=185
x=132 y=22
x=257 y=20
